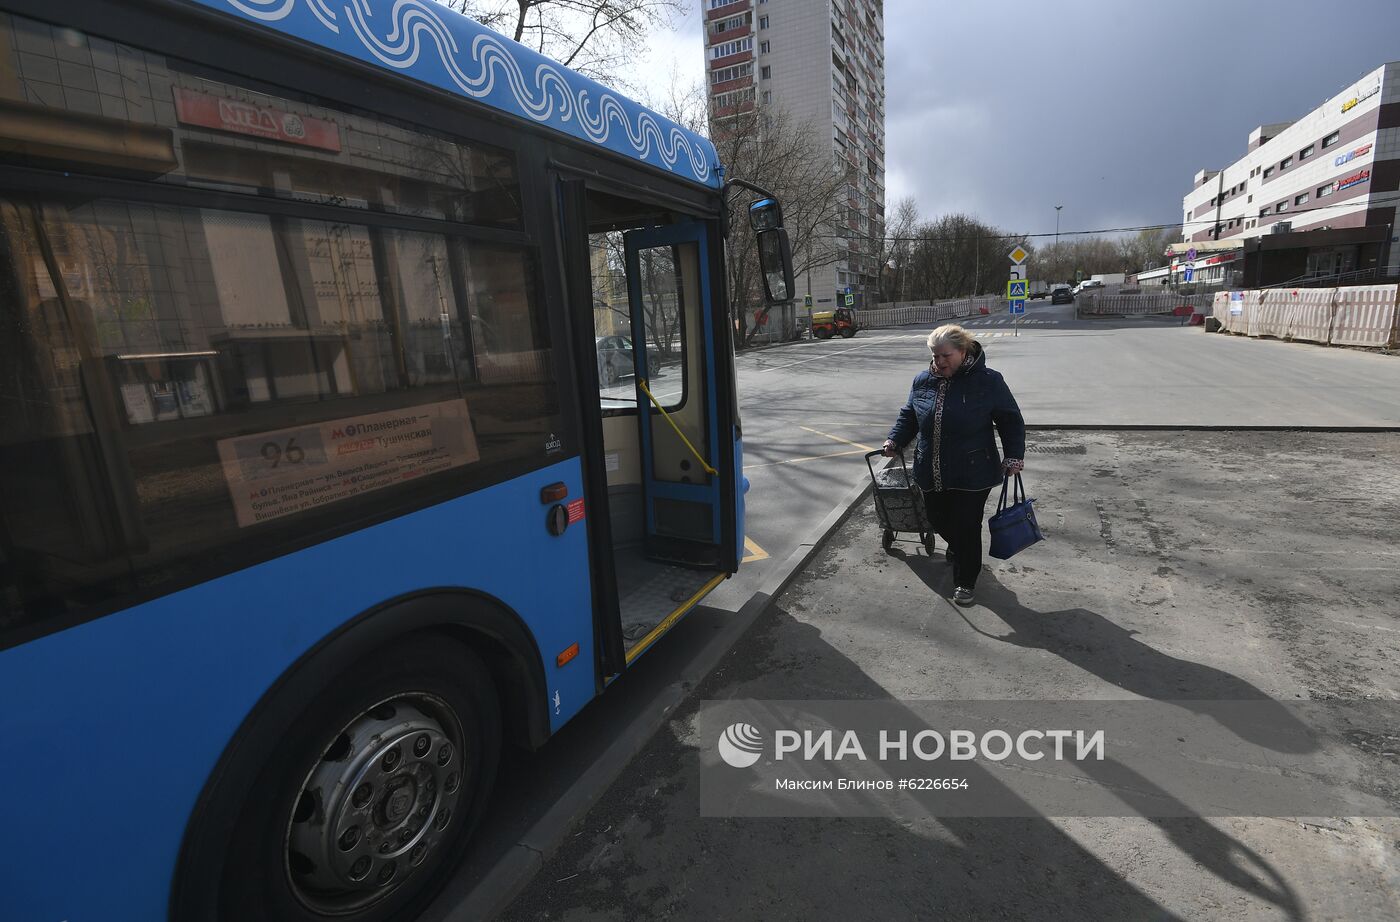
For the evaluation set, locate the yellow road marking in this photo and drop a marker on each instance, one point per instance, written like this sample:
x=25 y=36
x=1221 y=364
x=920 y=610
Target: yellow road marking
x=837 y=438
x=836 y=454
x=754 y=552
x=672 y=618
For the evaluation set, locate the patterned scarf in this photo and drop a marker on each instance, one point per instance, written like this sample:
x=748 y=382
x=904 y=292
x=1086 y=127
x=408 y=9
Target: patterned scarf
x=940 y=392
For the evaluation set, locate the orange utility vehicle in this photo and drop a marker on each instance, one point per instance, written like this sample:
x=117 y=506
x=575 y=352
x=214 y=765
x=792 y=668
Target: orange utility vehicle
x=840 y=322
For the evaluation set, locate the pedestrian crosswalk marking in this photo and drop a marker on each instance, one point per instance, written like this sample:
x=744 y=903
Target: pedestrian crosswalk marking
x=1011 y=321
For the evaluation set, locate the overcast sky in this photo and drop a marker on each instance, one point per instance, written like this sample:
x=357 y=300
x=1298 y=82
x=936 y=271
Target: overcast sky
x=1004 y=110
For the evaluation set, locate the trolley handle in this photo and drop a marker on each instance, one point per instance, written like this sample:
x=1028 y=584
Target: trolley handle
x=899 y=453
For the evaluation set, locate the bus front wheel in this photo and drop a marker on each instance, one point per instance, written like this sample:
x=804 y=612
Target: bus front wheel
x=373 y=793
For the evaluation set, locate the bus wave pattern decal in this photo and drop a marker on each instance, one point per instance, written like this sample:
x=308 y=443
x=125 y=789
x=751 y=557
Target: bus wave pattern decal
x=272 y=10
x=550 y=98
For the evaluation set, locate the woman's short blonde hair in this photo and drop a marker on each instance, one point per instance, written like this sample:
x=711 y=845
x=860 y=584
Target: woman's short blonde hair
x=950 y=334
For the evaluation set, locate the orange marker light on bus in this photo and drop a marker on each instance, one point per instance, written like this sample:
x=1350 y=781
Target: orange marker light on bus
x=553 y=493
x=567 y=655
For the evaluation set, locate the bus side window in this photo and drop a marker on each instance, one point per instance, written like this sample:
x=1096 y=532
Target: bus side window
x=57 y=488
x=165 y=369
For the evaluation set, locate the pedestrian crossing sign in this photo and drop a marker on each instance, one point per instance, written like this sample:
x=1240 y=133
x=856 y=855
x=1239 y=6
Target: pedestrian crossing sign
x=1016 y=289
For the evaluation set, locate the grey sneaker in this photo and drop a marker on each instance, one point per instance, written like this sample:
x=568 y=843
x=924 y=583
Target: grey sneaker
x=963 y=596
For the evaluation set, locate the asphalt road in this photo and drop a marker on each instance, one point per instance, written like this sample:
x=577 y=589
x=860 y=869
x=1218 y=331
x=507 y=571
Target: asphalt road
x=1177 y=566
x=810 y=411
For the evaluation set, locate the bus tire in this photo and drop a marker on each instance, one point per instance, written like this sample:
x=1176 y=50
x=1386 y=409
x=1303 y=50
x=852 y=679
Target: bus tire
x=370 y=800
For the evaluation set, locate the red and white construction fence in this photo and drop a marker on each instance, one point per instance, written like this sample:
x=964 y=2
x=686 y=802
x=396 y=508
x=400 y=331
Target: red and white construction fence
x=1358 y=315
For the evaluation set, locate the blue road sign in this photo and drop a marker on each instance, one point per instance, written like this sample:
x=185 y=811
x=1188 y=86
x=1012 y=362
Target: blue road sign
x=1186 y=275
x=1018 y=306
x=1016 y=288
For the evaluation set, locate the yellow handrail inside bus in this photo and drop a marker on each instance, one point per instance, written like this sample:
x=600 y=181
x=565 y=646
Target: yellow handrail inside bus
x=641 y=382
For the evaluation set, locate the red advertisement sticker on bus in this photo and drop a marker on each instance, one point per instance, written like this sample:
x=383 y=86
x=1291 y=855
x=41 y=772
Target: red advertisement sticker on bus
x=224 y=114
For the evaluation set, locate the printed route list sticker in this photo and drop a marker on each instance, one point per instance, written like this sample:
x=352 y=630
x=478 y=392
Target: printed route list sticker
x=286 y=471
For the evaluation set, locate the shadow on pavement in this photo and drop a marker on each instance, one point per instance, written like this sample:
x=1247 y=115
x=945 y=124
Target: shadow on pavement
x=1097 y=645
x=1102 y=648
x=1213 y=849
x=646 y=852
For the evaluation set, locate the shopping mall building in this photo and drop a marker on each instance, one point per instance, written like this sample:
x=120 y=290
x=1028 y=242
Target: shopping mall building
x=1312 y=198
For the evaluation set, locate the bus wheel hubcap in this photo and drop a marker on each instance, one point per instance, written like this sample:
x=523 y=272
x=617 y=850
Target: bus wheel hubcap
x=379 y=802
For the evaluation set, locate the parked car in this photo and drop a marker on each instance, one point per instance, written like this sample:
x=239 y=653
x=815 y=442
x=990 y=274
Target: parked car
x=1061 y=295
x=615 y=360
x=1039 y=294
x=1087 y=285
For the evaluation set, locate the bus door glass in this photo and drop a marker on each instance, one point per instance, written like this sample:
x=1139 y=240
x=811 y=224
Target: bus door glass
x=674 y=371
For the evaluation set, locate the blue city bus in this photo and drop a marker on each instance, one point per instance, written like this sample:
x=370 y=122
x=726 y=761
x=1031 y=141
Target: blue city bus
x=317 y=483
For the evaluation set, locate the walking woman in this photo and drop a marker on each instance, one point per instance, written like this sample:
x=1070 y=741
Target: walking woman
x=952 y=409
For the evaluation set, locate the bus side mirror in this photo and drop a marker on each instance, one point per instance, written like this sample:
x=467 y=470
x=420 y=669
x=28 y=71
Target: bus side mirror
x=774 y=250
x=766 y=214
x=775 y=260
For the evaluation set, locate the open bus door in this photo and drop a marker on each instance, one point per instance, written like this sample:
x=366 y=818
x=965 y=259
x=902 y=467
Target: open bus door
x=663 y=465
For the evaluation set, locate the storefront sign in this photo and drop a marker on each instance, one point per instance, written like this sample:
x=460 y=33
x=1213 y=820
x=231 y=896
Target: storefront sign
x=1351 y=155
x=232 y=115
x=1355 y=179
x=1356 y=100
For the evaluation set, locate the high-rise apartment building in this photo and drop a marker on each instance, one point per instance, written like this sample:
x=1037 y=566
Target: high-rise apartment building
x=822 y=62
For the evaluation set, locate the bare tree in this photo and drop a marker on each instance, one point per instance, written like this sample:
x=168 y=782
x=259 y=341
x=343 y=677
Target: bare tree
x=1150 y=246
x=1127 y=252
x=1082 y=257
x=898 y=248
x=594 y=37
x=957 y=255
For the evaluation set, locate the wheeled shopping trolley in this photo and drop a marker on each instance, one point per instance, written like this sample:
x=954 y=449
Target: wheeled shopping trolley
x=899 y=504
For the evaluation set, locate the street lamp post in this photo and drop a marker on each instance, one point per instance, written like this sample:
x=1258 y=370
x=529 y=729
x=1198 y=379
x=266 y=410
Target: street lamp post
x=1057 y=232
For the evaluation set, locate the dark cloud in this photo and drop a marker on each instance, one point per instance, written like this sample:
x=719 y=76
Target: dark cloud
x=1004 y=110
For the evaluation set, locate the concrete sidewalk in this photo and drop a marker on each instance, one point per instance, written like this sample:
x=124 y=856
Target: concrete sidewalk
x=1177 y=565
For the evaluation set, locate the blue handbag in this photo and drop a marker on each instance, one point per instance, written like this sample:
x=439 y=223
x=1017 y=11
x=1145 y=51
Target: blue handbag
x=1013 y=527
